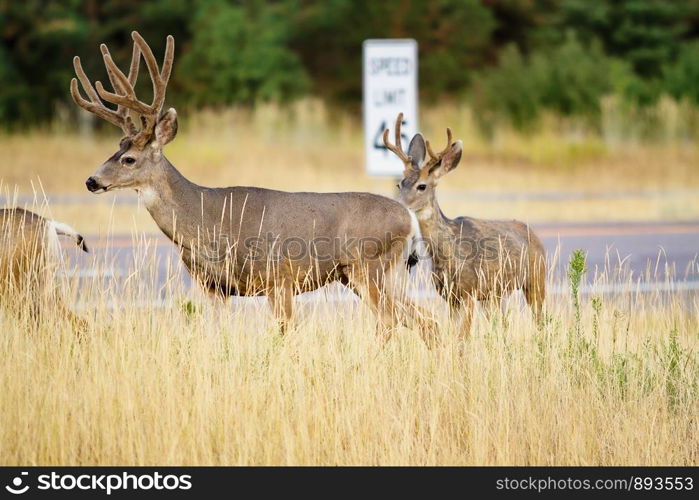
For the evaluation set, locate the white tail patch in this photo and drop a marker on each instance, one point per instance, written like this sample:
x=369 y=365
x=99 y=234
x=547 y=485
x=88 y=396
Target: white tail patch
x=54 y=229
x=414 y=237
x=398 y=277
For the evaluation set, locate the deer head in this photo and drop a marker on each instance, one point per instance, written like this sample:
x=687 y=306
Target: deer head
x=421 y=174
x=140 y=150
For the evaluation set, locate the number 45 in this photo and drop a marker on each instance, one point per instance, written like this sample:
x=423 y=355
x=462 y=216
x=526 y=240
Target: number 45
x=378 y=138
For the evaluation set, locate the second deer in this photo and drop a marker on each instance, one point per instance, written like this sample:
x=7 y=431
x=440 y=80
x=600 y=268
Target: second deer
x=473 y=259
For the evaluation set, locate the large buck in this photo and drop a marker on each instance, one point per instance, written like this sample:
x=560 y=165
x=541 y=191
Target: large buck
x=473 y=259
x=246 y=240
x=29 y=254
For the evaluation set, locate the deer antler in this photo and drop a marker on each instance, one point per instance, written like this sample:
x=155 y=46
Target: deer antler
x=95 y=105
x=436 y=158
x=441 y=154
x=124 y=95
x=397 y=148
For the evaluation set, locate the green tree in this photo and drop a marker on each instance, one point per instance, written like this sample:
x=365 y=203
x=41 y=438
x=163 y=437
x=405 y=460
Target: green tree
x=453 y=38
x=645 y=33
x=573 y=78
x=681 y=78
x=232 y=51
x=240 y=53
x=568 y=80
x=38 y=40
x=526 y=24
x=508 y=92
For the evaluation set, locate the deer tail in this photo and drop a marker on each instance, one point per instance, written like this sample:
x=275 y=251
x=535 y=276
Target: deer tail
x=61 y=229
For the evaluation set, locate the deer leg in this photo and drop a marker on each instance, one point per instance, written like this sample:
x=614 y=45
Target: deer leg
x=50 y=302
x=535 y=285
x=467 y=303
x=427 y=325
x=418 y=315
x=384 y=307
x=281 y=299
x=369 y=285
x=215 y=295
x=35 y=313
x=491 y=306
x=534 y=294
x=78 y=323
x=454 y=303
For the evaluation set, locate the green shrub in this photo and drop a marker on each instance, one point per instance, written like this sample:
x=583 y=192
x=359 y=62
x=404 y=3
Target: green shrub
x=510 y=91
x=682 y=77
x=239 y=53
x=569 y=81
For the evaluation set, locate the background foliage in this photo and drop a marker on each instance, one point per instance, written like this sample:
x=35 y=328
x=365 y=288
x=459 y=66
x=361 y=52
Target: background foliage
x=511 y=59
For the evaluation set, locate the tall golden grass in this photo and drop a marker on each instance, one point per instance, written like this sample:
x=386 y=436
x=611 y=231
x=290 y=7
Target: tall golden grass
x=190 y=382
x=184 y=381
x=308 y=146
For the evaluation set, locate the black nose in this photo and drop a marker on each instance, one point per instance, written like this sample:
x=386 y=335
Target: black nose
x=91 y=184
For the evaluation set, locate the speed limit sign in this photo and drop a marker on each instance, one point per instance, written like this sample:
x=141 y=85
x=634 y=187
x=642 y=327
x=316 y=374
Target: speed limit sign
x=390 y=87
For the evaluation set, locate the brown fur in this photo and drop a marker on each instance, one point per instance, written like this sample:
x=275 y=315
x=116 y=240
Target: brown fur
x=245 y=240
x=473 y=259
x=27 y=282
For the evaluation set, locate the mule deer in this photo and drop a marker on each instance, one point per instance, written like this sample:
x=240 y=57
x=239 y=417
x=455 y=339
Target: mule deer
x=245 y=240
x=473 y=259
x=28 y=251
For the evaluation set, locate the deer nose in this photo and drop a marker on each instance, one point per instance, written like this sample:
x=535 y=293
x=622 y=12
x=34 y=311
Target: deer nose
x=91 y=184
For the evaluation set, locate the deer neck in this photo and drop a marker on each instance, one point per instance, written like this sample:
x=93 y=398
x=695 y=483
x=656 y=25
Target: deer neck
x=434 y=227
x=169 y=198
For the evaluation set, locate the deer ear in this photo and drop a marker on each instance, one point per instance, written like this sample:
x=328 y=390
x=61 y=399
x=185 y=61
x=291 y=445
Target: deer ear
x=416 y=150
x=166 y=128
x=449 y=161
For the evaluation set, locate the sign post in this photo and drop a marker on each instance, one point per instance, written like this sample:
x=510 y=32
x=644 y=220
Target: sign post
x=390 y=87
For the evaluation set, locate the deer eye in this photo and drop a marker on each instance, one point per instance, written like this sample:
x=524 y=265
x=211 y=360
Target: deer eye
x=129 y=160
x=421 y=187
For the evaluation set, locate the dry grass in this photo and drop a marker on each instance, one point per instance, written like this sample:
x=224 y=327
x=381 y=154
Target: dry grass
x=198 y=384
x=191 y=383
x=305 y=148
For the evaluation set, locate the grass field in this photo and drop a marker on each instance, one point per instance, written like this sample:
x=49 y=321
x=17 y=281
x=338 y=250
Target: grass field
x=613 y=380
x=306 y=147
x=194 y=383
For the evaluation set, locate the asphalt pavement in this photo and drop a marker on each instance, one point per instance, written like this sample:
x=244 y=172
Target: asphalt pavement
x=655 y=255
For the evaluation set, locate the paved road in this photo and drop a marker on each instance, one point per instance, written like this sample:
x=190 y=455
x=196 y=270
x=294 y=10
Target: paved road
x=654 y=250
x=651 y=252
